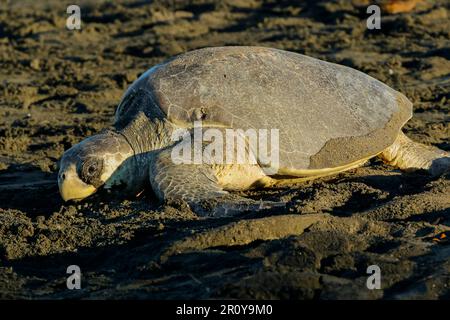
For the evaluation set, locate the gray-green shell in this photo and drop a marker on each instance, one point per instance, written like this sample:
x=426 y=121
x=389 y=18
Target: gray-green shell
x=328 y=115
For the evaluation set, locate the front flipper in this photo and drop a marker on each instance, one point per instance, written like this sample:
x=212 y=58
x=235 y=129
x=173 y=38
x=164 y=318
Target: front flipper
x=197 y=184
x=408 y=155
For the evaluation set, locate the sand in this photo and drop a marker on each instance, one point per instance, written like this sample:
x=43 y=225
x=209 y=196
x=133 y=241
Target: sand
x=59 y=86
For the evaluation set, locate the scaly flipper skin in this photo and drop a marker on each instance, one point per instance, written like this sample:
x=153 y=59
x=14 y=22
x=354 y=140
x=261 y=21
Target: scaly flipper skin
x=408 y=155
x=197 y=184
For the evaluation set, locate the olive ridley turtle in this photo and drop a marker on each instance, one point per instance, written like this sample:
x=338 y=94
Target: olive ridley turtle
x=329 y=118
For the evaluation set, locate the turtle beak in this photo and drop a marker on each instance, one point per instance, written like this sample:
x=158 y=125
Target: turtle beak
x=72 y=188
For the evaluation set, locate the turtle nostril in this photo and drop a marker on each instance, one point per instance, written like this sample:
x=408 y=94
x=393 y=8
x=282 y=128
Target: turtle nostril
x=63 y=176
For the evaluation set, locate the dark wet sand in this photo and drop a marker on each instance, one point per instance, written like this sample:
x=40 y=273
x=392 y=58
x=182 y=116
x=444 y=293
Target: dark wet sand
x=59 y=86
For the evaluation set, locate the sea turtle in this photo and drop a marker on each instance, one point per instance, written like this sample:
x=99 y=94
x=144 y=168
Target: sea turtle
x=329 y=118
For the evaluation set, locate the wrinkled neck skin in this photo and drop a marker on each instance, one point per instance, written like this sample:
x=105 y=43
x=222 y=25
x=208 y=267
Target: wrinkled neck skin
x=144 y=137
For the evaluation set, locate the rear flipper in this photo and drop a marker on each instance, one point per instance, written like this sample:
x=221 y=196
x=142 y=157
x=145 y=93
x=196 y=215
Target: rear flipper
x=408 y=155
x=197 y=184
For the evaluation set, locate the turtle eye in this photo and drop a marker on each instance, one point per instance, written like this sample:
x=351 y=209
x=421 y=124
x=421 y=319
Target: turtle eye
x=91 y=171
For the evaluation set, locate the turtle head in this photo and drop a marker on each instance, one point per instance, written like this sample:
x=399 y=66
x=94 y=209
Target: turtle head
x=92 y=163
